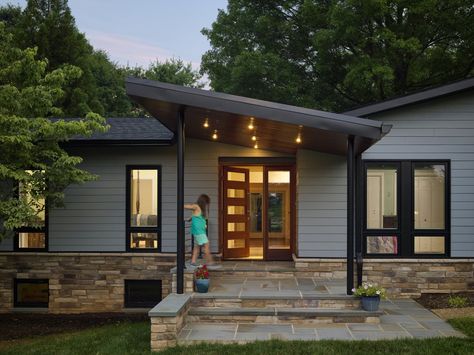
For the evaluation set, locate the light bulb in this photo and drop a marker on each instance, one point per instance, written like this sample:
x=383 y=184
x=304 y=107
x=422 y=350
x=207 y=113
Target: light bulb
x=256 y=146
x=214 y=136
x=254 y=137
x=251 y=126
x=298 y=139
x=206 y=123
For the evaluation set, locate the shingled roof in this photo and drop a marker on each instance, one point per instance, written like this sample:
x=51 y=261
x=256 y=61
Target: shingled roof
x=131 y=130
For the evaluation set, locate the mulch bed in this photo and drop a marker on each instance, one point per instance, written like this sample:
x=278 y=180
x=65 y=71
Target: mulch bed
x=14 y=326
x=440 y=300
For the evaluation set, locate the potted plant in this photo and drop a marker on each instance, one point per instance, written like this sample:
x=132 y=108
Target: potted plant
x=201 y=277
x=370 y=295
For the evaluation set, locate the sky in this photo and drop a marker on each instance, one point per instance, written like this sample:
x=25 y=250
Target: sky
x=141 y=31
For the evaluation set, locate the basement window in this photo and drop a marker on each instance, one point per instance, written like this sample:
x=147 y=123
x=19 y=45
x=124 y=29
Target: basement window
x=142 y=293
x=31 y=293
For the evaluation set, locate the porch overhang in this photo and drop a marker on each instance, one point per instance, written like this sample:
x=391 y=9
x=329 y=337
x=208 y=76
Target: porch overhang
x=276 y=126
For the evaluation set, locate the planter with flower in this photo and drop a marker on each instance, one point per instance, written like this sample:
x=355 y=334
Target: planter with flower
x=370 y=295
x=201 y=277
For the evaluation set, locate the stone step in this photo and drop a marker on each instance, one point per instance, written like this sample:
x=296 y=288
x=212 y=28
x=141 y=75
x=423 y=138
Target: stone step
x=275 y=315
x=276 y=301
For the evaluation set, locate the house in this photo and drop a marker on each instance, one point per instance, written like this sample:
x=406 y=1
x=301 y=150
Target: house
x=388 y=187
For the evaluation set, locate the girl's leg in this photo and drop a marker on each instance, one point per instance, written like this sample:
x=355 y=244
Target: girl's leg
x=195 y=253
x=207 y=253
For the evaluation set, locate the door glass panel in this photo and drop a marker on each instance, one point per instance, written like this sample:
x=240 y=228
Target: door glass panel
x=236 y=210
x=235 y=193
x=255 y=212
x=382 y=197
x=235 y=243
x=235 y=176
x=429 y=245
x=278 y=209
x=235 y=227
x=429 y=196
x=382 y=245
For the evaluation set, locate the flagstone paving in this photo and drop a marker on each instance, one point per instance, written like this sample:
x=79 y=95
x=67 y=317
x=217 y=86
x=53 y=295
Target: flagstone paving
x=401 y=319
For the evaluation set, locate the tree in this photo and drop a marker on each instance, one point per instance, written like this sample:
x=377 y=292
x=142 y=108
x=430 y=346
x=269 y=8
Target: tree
x=173 y=71
x=334 y=55
x=31 y=153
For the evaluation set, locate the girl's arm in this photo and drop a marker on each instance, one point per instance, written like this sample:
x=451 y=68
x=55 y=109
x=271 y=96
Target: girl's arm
x=191 y=207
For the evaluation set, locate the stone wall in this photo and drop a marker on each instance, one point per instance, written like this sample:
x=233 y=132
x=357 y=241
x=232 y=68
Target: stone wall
x=83 y=282
x=401 y=277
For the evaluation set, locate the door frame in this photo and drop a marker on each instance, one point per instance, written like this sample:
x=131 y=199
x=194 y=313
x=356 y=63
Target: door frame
x=272 y=162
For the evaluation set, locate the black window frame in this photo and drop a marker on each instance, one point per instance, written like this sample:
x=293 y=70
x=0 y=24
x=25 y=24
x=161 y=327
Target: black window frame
x=44 y=230
x=130 y=229
x=127 y=303
x=406 y=231
x=17 y=304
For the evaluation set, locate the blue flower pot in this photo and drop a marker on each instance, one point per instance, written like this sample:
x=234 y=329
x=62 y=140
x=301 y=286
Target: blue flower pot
x=370 y=303
x=202 y=285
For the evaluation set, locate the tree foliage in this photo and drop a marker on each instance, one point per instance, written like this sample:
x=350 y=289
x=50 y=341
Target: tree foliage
x=31 y=152
x=338 y=54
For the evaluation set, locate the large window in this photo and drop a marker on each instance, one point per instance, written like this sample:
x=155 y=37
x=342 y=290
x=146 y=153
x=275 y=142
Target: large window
x=33 y=236
x=31 y=293
x=143 y=208
x=406 y=208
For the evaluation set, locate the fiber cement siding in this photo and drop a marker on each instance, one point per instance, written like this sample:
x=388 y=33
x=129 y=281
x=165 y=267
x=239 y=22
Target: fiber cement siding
x=93 y=218
x=322 y=205
x=438 y=129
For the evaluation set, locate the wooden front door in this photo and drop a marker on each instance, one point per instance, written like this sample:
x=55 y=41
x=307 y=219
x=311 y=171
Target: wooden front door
x=236 y=212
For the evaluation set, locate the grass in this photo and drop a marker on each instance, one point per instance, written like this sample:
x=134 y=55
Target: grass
x=133 y=338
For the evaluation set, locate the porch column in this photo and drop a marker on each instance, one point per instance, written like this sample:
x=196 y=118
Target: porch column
x=350 y=213
x=180 y=136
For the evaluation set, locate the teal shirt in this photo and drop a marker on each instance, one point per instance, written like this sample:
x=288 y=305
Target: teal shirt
x=198 y=225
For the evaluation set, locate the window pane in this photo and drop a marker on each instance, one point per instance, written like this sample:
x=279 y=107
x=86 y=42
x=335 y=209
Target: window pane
x=234 y=176
x=279 y=214
x=31 y=240
x=429 y=245
x=236 y=210
x=32 y=293
x=382 y=197
x=30 y=193
x=235 y=193
x=429 y=196
x=382 y=245
x=236 y=227
x=279 y=177
x=143 y=240
x=144 y=198
x=235 y=243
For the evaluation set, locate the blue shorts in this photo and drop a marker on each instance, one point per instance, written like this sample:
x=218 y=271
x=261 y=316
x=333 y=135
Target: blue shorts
x=201 y=239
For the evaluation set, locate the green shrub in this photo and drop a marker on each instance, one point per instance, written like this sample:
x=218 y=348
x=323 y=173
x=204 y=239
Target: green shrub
x=457 y=301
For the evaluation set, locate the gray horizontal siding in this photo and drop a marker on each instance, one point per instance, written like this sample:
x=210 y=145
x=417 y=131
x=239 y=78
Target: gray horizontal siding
x=322 y=203
x=440 y=129
x=93 y=218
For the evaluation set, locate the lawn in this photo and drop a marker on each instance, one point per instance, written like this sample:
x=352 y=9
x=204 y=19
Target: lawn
x=133 y=338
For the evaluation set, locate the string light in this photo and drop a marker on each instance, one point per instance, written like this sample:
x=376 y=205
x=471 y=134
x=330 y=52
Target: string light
x=214 y=136
x=251 y=126
x=206 y=123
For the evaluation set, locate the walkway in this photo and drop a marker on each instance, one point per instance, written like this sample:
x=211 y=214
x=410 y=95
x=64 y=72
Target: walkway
x=401 y=319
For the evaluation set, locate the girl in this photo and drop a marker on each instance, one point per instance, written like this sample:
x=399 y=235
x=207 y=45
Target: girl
x=199 y=228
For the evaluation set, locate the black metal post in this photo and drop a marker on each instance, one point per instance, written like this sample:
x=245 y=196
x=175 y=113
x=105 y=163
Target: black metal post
x=359 y=188
x=350 y=213
x=180 y=136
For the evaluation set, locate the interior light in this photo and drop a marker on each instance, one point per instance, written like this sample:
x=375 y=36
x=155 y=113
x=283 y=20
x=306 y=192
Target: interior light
x=251 y=126
x=298 y=139
x=214 y=136
x=206 y=123
x=256 y=146
x=254 y=137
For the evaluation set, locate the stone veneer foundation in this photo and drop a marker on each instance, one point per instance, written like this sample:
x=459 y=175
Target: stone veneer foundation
x=403 y=278
x=83 y=282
